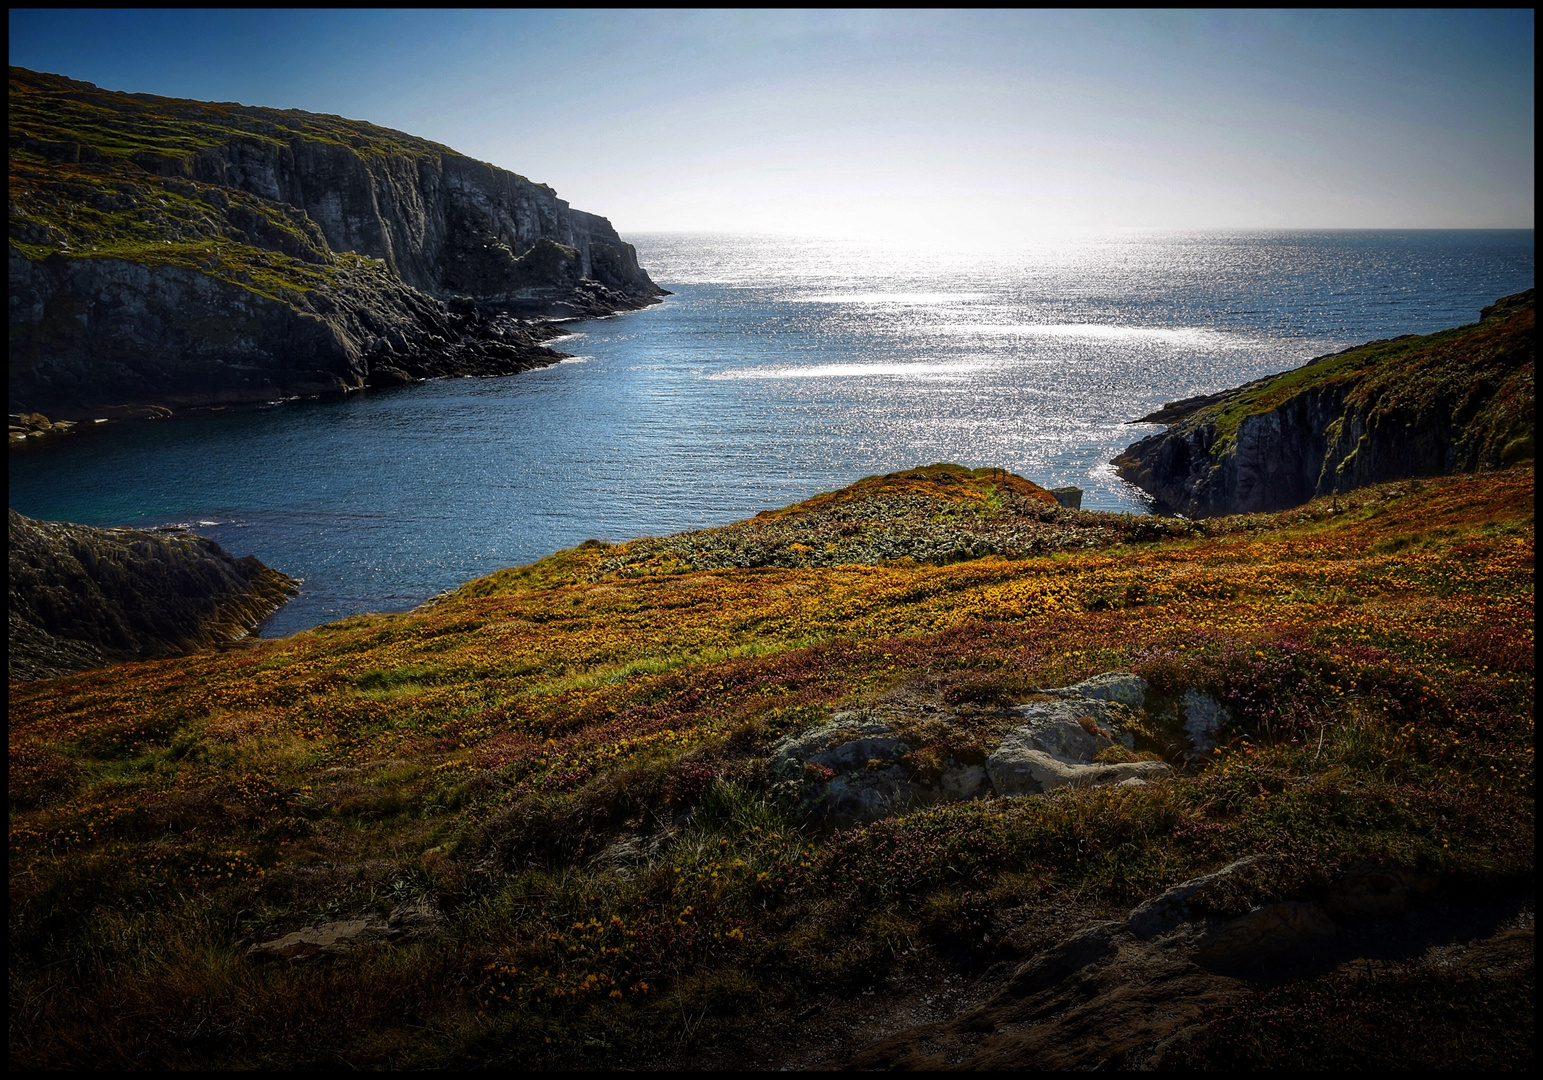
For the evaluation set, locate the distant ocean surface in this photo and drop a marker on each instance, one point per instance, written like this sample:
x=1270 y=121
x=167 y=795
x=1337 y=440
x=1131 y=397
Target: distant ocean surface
x=779 y=369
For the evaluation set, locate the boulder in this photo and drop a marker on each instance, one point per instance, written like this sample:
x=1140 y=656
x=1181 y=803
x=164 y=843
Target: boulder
x=333 y=939
x=1057 y=745
x=1170 y=908
x=849 y=769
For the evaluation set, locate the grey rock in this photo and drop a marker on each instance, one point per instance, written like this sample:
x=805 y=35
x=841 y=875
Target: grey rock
x=1124 y=687
x=1019 y=769
x=861 y=754
x=1171 y=907
x=1069 y=957
x=849 y=740
x=1056 y=727
x=1204 y=716
x=960 y=783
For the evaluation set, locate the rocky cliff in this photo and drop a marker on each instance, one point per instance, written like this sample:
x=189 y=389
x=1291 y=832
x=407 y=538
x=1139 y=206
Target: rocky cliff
x=178 y=253
x=82 y=597
x=1455 y=401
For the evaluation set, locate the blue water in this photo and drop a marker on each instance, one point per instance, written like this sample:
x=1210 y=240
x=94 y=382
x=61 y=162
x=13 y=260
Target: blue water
x=779 y=369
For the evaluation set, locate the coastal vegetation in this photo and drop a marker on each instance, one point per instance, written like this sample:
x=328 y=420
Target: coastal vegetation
x=537 y=819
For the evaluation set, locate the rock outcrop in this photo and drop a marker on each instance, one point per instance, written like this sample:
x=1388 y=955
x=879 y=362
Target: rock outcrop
x=82 y=597
x=181 y=253
x=1456 y=401
x=858 y=767
x=1132 y=993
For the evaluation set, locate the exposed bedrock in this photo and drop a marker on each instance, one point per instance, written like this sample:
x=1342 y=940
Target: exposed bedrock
x=1456 y=401
x=99 y=337
x=82 y=597
x=859 y=767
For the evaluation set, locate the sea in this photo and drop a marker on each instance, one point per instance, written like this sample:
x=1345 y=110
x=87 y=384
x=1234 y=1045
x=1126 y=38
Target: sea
x=777 y=369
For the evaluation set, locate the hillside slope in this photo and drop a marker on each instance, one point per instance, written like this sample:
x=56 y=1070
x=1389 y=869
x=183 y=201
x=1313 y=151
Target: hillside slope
x=180 y=253
x=1450 y=402
x=642 y=805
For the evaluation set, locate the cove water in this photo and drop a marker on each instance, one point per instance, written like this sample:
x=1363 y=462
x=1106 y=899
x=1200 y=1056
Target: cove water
x=779 y=369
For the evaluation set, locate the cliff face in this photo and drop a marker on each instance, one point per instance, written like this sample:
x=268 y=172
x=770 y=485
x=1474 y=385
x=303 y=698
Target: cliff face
x=175 y=253
x=1456 y=401
x=82 y=597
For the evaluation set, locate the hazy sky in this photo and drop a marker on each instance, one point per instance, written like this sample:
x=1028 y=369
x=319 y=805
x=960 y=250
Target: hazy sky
x=906 y=123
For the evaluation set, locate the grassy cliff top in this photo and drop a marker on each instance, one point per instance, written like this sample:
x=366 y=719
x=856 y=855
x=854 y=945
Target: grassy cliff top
x=52 y=116
x=1416 y=377
x=479 y=754
x=101 y=174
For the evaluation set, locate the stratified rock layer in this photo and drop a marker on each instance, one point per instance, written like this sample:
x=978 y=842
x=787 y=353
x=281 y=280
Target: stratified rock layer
x=180 y=253
x=1456 y=401
x=82 y=597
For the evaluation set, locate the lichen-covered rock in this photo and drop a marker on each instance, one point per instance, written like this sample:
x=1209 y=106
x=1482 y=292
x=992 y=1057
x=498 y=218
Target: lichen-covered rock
x=1121 y=686
x=849 y=769
x=329 y=939
x=849 y=740
x=858 y=767
x=1017 y=767
x=1074 y=730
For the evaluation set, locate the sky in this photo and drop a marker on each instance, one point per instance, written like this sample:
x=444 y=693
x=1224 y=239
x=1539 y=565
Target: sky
x=885 y=123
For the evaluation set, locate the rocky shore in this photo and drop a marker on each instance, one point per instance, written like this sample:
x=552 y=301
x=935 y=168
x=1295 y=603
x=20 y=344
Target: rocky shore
x=1456 y=401
x=82 y=598
x=169 y=254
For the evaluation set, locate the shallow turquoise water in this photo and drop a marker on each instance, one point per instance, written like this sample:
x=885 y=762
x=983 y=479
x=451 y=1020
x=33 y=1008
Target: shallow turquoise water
x=779 y=369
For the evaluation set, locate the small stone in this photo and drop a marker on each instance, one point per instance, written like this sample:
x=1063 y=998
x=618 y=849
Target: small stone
x=327 y=939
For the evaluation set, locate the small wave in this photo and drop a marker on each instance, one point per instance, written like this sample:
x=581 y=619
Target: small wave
x=919 y=369
x=188 y=526
x=1193 y=336
x=576 y=360
x=897 y=299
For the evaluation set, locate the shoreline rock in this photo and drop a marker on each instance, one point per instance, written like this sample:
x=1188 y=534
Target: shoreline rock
x=1455 y=401
x=82 y=598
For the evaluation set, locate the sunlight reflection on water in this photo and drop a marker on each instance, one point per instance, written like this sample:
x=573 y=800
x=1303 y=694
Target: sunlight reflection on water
x=780 y=368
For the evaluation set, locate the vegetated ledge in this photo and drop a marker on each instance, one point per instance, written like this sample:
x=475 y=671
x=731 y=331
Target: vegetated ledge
x=171 y=254
x=82 y=598
x=1455 y=401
